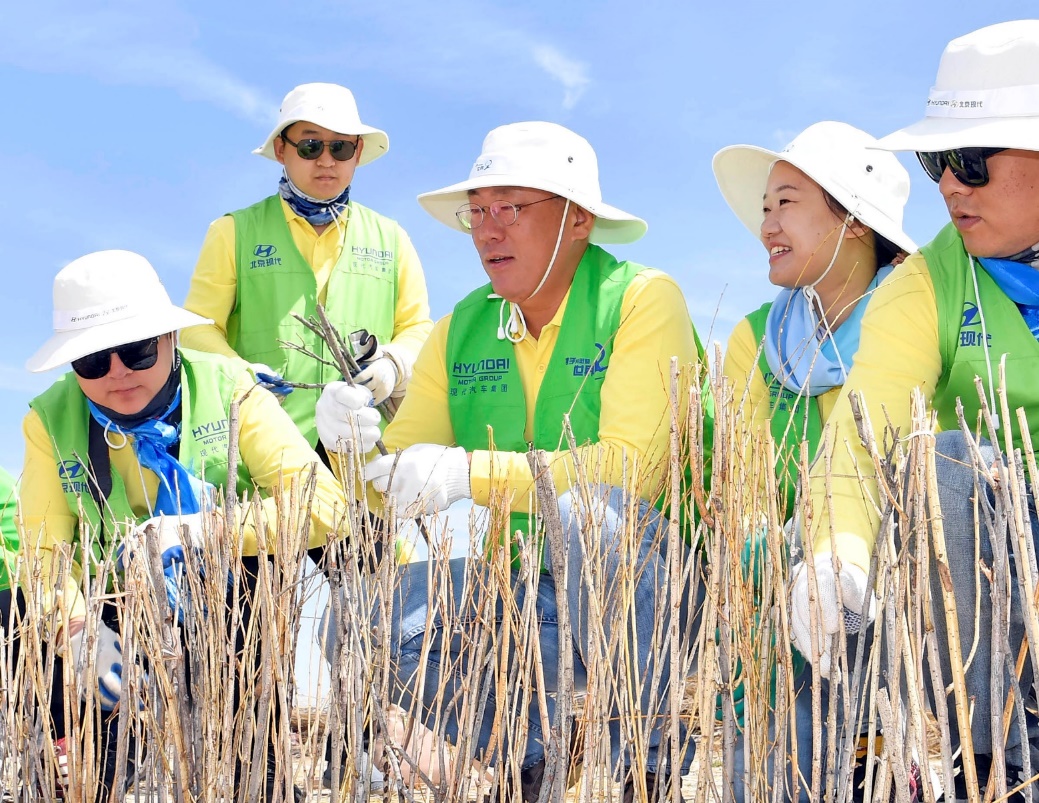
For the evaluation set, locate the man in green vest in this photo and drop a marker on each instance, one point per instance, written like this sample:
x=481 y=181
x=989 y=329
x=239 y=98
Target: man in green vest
x=562 y=329
x=957 y=311
x=138 y=432
x=307 y=244
x=311 y=243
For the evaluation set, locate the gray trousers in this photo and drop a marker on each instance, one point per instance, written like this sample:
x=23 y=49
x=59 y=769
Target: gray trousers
x=971 y=586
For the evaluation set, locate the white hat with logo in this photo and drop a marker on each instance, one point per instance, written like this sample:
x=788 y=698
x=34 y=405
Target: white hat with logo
x=330 y=106
x=539 y=156
x=107 y=299
x=872 y=185
x=986 y=94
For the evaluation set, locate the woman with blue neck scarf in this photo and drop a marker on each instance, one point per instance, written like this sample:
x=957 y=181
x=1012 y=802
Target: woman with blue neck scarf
x=829 y=212
x=310 y=243
x=138 y=433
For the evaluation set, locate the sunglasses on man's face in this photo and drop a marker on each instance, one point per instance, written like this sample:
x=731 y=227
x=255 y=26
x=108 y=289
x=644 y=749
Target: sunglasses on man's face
x=342 y=150
x=968 y=165
x=138 y=356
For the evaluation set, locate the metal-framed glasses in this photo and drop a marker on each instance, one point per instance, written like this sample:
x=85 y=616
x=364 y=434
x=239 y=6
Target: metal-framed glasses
x=968 y=165
x=472 y=216
x=342 y=150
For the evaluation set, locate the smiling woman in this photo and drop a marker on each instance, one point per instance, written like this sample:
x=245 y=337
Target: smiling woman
x=828 y=211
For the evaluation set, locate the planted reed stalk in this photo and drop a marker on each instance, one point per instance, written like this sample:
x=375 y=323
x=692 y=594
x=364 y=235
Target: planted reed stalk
x=209 y=695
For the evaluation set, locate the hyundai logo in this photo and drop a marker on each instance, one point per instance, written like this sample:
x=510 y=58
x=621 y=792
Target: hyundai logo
x=970 y=315
x=70 y=469
x=265 y=251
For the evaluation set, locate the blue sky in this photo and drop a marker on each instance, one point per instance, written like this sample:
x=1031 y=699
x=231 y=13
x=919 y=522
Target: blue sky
x=130 y=125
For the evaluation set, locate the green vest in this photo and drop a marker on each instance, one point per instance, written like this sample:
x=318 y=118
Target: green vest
x=8 y=527
x=963 y=343
x=486 y=400
x=793 y=417
x=275 y=281
x=207 y=389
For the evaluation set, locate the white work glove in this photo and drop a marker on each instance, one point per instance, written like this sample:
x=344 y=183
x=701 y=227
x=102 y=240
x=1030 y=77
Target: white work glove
x=854 y=592
x=271 y=379
x=345 y=413
x=380 y=377
x=426 y=477
x=108 y=663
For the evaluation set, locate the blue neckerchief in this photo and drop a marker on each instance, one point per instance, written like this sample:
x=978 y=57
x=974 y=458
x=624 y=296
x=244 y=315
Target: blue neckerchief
x=315 y=211
x=179 y=491
x=802 y=356
x=1020 y=281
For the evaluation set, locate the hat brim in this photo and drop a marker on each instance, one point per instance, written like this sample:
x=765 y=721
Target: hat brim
x=612 y=225
x=376 y=142
x=948 y=133
x=742 y=174
x=64 y=347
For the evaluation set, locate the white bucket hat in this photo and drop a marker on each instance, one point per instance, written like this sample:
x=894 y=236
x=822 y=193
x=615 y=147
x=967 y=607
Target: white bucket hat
x=107 y=299
x=872 y=185
x=986 y=94
x=540 y=156
x=330 y=106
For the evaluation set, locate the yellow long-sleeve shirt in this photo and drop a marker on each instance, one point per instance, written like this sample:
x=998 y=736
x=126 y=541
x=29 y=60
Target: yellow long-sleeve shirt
x=635 y=413
x=898 y=351
x=270 y=447
x=214 y=284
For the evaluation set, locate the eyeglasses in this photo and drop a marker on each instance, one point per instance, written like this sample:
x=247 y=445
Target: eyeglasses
x=342 y=150
x=471 y=216
x=137 y=356
x=968 y=165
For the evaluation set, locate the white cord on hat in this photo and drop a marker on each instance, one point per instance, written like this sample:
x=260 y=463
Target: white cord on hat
x=814 y=301
x=555 y=251
x=516 y=328
x=984 y=342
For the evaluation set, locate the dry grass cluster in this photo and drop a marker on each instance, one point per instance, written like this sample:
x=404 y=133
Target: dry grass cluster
x=198 y=702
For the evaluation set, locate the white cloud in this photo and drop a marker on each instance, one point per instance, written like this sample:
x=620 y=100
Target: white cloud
x=130 y=45
x=486 y=55
x=573 y=75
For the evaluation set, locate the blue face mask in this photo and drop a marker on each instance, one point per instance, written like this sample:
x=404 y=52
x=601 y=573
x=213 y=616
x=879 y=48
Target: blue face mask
x=804 y=354
x=315 y=211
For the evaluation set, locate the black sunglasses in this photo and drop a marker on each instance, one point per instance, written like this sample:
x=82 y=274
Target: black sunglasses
x=968 y=165
x=137 y=356
x=309 y=149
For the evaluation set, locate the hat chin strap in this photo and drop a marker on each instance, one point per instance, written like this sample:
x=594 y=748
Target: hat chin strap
x=515 y=329
x=815 y=303
x=555 y=252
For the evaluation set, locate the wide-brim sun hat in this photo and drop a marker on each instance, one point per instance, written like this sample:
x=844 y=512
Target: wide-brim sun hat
x=107 y=299
x=986 y=94
x=538 y=156
x=872 y=185
x=330 y=106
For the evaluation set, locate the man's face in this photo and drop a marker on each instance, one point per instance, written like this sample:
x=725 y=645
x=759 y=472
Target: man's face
x=128 y=392
x=1002 y=218
x=323 y=178
x=516 y=257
